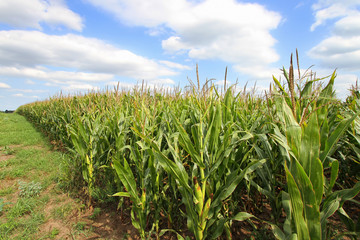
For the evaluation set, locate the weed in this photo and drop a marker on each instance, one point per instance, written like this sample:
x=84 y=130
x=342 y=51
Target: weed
x=62 y=212
x=22 y=206
x=2 y=204
x=29 y=189
x=80 y=226
x=7 y=191
x=95 y=213
x=8 y=151
x=54 y=233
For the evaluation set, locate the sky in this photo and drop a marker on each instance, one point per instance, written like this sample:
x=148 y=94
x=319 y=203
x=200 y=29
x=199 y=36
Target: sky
x=48 y=47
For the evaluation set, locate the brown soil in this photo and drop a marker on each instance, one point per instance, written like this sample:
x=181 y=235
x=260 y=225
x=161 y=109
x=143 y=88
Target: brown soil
x=110 y=224
x=37 y=147
x=80 y=223
x=4 y=157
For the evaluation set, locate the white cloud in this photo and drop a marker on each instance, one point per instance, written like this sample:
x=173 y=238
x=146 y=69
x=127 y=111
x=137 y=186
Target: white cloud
x=338 y=52
x=342 y=84
x=30 y=13
x=75 y=87
x=221 y=83
x=27 y=50
x=225 y=30
x=126 y=86
x=21 y=95
x=30 y=90
x=122 y=85
x=175 y=65
x=343 y=81
x=150 y=13
x=4 y=85
x=331 y=9
x=162 y=81
x=341 y=49
x=258 y=72
x=348 y=26
x=30 y=82
x=45 y=74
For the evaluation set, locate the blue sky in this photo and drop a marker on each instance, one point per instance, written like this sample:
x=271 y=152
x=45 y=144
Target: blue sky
x=53 y=46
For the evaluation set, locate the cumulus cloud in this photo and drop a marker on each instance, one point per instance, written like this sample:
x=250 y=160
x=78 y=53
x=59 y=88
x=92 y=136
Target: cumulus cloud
x=149 y=85
x=341 y=49
x=225 y=30
x=343 y=82
x=31 y=13
x=150 y=13
x=41 y=73
x=338 y=52
x=4 y=85
x=258 y=72
x=76 y=87
x=332 y=9
x=29 y=90
x=30 y=82
x=174 y=65
x=22 y=52
x=348 y=26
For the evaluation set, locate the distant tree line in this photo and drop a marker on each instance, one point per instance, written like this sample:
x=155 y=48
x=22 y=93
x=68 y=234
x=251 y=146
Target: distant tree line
x=8 y=111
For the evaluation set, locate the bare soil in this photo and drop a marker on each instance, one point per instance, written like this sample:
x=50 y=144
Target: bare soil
x=80 y=223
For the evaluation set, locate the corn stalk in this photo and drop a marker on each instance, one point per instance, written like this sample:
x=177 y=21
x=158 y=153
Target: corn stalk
x=309 y=145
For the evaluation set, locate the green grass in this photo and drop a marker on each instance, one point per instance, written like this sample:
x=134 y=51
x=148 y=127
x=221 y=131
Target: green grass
x=31 y=164
x=52 y=234
x=7 y=190
x=62 y=212
x=11 y=127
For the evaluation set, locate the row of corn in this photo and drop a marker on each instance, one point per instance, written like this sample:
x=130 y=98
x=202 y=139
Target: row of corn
x=181 y=162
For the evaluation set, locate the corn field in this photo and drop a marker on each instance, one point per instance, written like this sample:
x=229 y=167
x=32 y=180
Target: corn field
x=180 y=162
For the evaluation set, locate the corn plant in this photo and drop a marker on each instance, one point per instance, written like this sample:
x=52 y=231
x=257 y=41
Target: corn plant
x=210 y=180
x=142 y=180
x=189 y=156
x=309 y=143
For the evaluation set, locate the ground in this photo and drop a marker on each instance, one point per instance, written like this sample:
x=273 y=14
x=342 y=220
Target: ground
x=32 y=205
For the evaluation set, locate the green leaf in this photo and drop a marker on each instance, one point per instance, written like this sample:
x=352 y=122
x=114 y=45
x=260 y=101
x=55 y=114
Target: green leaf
x=306 y=92
x=177 y=170
x=297 y=207
x=309 y=153
x=335 y=136
x=234 y=179
x=163 y=231
x=279 y=85
x=214 y=129
x=334 y=174
x=242 y=216
x=346 y=219
x=127 y=178
x=308 y=196
x=219 y=228
x=292 y=128
x=328 y=211
x=186 y=142
x=121 y=194
x=286 y=203
x=344 y=195
x=277 y=232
